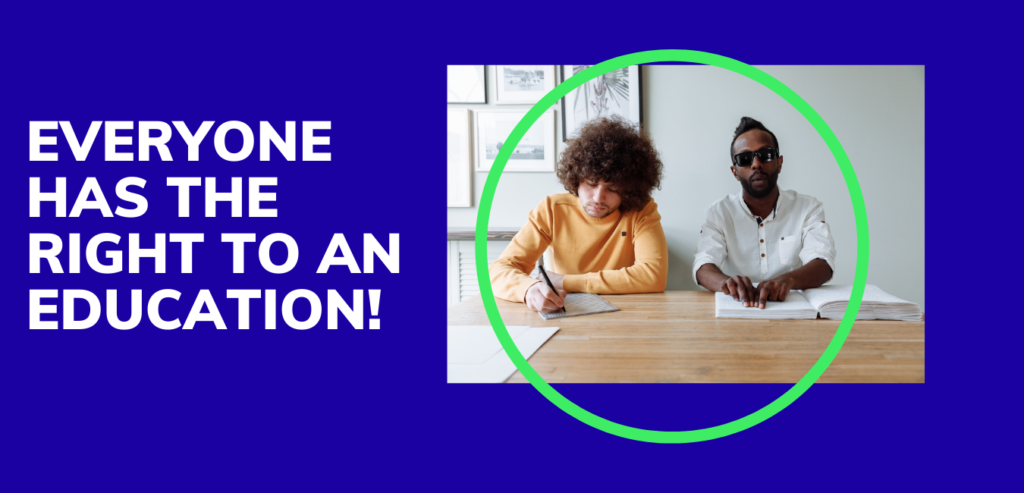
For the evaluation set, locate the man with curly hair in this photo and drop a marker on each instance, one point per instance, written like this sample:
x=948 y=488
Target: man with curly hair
x=605 y=234
x=777 y=238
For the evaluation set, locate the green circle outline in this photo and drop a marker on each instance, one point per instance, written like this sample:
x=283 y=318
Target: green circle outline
x=688 y=436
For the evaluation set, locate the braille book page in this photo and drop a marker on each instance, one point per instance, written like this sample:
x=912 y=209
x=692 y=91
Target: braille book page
x=796 y=306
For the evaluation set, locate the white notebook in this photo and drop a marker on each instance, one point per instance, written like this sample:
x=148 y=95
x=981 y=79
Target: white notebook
x=581 y=304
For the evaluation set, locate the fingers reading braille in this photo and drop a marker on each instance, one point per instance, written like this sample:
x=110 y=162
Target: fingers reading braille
x=751 y=291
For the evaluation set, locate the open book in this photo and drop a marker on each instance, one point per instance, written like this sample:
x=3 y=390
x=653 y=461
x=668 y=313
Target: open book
x=828 y=301
x=831 y=303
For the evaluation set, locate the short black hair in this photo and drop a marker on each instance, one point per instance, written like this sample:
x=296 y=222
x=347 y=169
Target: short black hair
x=747 y=124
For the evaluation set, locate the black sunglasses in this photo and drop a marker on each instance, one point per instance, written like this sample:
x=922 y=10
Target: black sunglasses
x=766 y=155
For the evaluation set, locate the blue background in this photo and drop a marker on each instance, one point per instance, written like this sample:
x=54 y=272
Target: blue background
x=290 y=410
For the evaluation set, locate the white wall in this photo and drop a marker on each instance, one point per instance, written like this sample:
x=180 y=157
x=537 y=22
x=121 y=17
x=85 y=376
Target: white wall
x=691 y=111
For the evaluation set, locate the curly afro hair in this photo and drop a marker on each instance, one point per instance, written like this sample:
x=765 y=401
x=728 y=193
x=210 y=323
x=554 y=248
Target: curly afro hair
x=617 y=152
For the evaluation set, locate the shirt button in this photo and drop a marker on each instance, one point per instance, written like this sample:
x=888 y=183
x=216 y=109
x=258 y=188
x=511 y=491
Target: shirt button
x=762 y=241
x=762 y=255
x=761 y=225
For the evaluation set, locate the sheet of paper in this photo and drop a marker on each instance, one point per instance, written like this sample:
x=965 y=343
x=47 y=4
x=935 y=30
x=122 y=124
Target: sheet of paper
x=463 y=366
x=469 y=344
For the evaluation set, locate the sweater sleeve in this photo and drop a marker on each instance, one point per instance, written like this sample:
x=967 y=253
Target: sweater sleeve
x=649 y=272
x=510 y=274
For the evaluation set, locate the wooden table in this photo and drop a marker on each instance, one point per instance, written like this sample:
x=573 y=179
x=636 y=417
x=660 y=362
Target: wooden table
x=675 y=337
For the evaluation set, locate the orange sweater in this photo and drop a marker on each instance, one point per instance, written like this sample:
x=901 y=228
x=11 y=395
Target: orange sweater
x=621 y=253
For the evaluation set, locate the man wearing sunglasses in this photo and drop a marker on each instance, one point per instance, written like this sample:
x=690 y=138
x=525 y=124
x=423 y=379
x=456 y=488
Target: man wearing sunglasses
x=776 y=238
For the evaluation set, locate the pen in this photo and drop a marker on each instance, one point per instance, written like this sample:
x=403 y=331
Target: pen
x=552 y=286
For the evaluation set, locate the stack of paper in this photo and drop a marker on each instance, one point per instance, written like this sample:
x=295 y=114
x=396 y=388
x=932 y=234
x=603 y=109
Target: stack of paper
x=795 y=306
x=476 y=356
x=831 y=302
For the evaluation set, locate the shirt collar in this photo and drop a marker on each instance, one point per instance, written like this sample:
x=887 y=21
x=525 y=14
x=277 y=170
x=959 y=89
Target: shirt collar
x=775 y=212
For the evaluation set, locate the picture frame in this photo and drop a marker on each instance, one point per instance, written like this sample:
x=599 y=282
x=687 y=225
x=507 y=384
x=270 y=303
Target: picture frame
x=616 y=93
x=523 y=84
x=467 y=84
x=535 y=152
x=460 y=158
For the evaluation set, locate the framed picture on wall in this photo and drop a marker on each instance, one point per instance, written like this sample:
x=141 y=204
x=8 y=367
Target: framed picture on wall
x=467 y=84
x=460 y=158
x=523 y=84
x=535 y=152
x=615 y=93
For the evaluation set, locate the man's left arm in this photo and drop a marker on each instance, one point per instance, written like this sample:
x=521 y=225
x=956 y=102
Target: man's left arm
x=648 y=274
x=818 y=255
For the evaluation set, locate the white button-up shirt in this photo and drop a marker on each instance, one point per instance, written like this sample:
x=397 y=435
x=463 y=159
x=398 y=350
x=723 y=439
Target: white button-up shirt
x=794 y=234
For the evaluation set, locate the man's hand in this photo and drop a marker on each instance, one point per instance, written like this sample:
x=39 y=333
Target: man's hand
x=556 y=279
x=741 y=289
x=540 y=298
x=772 y=290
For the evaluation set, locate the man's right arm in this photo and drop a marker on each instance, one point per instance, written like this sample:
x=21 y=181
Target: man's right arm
x=710 y=254
x=510 y=274
x=739 y=287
